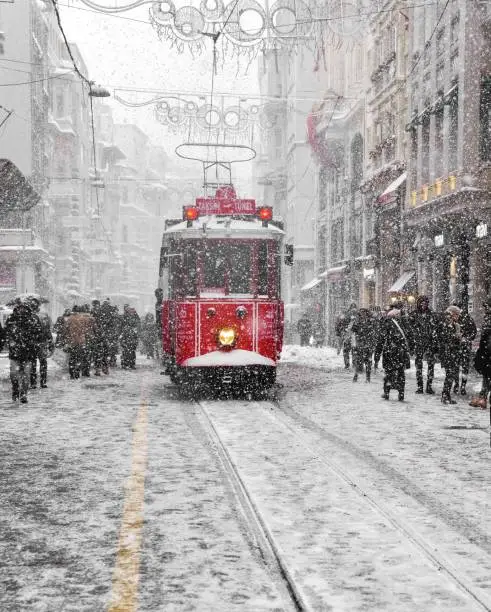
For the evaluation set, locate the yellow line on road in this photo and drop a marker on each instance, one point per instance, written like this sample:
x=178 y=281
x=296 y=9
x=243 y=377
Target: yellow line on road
x=126 y=574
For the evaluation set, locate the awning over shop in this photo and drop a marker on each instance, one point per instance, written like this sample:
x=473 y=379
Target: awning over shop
x=402 y=281
x=17 y=193
x=388 y=194
x=311 y=284
x=334 y=273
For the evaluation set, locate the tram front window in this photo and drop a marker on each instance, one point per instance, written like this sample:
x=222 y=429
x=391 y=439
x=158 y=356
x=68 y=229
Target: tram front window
x=214 y=269
x=240 y=268
x=226 y=269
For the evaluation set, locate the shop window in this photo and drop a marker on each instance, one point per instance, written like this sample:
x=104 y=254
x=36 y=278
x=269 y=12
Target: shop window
x=453 y=127
x=485 y=119
x=425 y=150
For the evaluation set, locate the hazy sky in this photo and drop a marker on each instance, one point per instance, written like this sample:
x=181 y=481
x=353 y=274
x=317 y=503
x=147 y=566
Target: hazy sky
x=120 y=52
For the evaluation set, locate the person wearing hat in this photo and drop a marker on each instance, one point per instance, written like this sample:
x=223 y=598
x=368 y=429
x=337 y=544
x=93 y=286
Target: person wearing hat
x=22 y=333
x=450 y=343
x=395 y=345
x=45 y=346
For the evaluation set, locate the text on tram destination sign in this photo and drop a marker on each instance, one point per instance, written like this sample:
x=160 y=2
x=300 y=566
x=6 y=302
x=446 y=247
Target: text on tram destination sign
x=219 y=206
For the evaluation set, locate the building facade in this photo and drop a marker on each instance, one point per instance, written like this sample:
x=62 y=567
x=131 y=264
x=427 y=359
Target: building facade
x=447 y=204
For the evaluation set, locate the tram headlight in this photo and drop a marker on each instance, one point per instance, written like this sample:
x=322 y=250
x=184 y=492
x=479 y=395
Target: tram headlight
x=226 y=337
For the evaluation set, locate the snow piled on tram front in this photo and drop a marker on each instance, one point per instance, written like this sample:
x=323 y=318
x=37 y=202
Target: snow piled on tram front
x=236 y=357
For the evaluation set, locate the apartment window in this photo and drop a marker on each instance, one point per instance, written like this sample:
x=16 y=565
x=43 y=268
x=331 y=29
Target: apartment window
x=454 y=29
x=439 y=117
x=440 y=41
x=322 y=188
x=414 y=158
x=322 y=239
x=425 y=150
x=60 y=104
x=440 y=76
x=485 y=118
x=453 y=127
x=454 y=64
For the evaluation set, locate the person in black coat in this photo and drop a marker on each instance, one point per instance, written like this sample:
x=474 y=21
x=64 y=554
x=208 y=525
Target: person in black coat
x=469 y=332
x=22 y=334
x=364 y=343
x=395 y=345
x=304 y=328
x=482 y=363
x=45 y=346
x=424 y=327
x=450 y=346
x=130 y=333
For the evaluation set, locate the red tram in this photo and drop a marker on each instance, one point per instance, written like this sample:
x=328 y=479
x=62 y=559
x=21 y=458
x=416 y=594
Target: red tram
x=222 y=314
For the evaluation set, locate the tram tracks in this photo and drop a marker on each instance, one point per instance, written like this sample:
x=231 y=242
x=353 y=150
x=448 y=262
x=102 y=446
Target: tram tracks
x=261 y=535
x=362 y=490
x=430 y=552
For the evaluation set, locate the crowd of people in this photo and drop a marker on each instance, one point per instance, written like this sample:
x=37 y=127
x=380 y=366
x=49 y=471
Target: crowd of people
x=91 y=335
x=366 y=336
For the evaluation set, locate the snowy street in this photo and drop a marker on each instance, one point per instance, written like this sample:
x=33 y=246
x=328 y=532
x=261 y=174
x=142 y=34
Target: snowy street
x=118 y=493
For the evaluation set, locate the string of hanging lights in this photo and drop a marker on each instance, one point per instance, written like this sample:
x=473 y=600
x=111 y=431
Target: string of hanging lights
x=245 y=27
x=225 y=119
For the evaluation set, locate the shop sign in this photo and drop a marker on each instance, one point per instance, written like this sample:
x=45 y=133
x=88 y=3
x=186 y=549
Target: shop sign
x=7 y=275
x=481 y=230
x=368 y=273
x=439 y=240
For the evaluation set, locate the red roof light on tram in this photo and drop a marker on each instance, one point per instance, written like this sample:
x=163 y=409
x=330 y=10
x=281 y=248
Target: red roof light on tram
x=265 y=213
x=190 y=213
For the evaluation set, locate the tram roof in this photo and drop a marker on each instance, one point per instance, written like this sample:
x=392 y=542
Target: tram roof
x=225 y=227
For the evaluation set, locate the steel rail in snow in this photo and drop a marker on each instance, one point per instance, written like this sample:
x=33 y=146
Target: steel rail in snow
x=363 y=491
x=259 y=530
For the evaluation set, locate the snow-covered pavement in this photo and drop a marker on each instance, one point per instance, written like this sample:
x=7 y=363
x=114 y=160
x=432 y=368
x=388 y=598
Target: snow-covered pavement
x=373 y=505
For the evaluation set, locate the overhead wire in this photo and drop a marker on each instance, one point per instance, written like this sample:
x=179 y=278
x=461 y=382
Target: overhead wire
x=89 y=83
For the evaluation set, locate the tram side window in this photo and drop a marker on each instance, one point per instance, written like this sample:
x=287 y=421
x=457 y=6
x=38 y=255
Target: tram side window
x=240 y=258
x=262 y=269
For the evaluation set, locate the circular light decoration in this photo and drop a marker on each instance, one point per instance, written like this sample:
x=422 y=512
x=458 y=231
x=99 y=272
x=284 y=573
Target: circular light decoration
x=249 y=26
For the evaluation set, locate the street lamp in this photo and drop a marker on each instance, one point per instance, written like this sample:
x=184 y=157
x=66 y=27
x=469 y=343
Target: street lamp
x=97 y=91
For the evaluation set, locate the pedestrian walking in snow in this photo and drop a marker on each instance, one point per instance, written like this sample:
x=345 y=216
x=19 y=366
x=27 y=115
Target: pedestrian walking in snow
x=394 y=345
x=130 y=333
x=424 y=327
x=110 y=321
x=79 y=336
x=100 y=344
x=482 y=363
x=149 y=335
x=45 y=346
x=159 y=296
x=22 y=334
x=348 y=337
x=450 y=346
x=364 y=343
x=59 y=329
x=304 y=328
x=469 y=332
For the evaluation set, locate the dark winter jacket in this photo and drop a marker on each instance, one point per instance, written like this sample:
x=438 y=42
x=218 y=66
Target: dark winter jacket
x=482 y=360
x=130 y=329
x=450 y=343
x=45 y=346
x=467 y=327
x=304 y=326
x=23 y=334
x=365 y=333
x=394 y=348
x=424 y=328
x=2 y=337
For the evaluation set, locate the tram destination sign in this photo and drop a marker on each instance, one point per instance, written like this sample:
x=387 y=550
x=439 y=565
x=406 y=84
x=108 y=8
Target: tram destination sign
x=228 y=206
